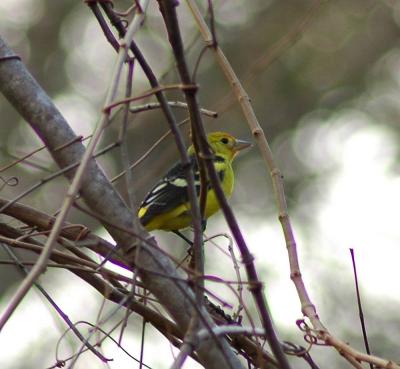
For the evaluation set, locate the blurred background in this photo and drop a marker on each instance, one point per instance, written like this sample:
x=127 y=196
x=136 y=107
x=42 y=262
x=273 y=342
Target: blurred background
x=324 y=81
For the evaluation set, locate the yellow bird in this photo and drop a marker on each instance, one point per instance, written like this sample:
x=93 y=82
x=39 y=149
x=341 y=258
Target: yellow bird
x=166 y=206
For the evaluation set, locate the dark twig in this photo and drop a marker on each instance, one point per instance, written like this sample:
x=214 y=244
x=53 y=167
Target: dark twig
x=113 y=17
x=26 y=156
x=181 y=235
x=197 y=64
x=103 y=24
x=214 y=43
x=172 y=25
x=142 y=343
x=360 y=309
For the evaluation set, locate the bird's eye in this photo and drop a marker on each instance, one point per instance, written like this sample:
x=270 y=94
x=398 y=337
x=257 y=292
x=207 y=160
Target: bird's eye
x=224 y=140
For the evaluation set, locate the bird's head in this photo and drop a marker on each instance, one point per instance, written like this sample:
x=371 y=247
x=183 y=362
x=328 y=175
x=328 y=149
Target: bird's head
x=224 y=144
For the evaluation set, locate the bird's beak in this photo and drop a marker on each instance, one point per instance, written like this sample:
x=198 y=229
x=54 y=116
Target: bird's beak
x=241 y=145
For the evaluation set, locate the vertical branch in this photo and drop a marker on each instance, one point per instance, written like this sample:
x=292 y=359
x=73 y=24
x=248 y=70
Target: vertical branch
x=171 y=21
x=123 y=139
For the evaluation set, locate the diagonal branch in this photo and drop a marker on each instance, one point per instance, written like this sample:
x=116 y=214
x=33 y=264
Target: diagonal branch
x=75 y=186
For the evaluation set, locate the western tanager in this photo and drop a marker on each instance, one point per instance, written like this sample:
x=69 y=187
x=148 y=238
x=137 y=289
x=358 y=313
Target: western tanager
x=166 y=206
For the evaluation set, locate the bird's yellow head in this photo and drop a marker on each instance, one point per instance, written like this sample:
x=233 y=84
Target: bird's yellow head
x=224 y=144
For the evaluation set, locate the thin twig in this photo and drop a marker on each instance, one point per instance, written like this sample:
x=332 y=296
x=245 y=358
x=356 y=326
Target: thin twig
x=148 y=152
x=26 y=156
x=142 y=343
x=73 y=357
x=360 y=309
x=59 y=173
x=153 y=91
x=156 y=273
x=173 y=104
x=109 y=35
x=123 y=138
x=238 y=282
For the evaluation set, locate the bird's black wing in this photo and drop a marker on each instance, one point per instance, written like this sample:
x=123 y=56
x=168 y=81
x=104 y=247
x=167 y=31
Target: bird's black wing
x=169 y=192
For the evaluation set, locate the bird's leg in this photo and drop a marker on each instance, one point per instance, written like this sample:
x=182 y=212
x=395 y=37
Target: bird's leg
x=189 y=251
x=181 y=235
